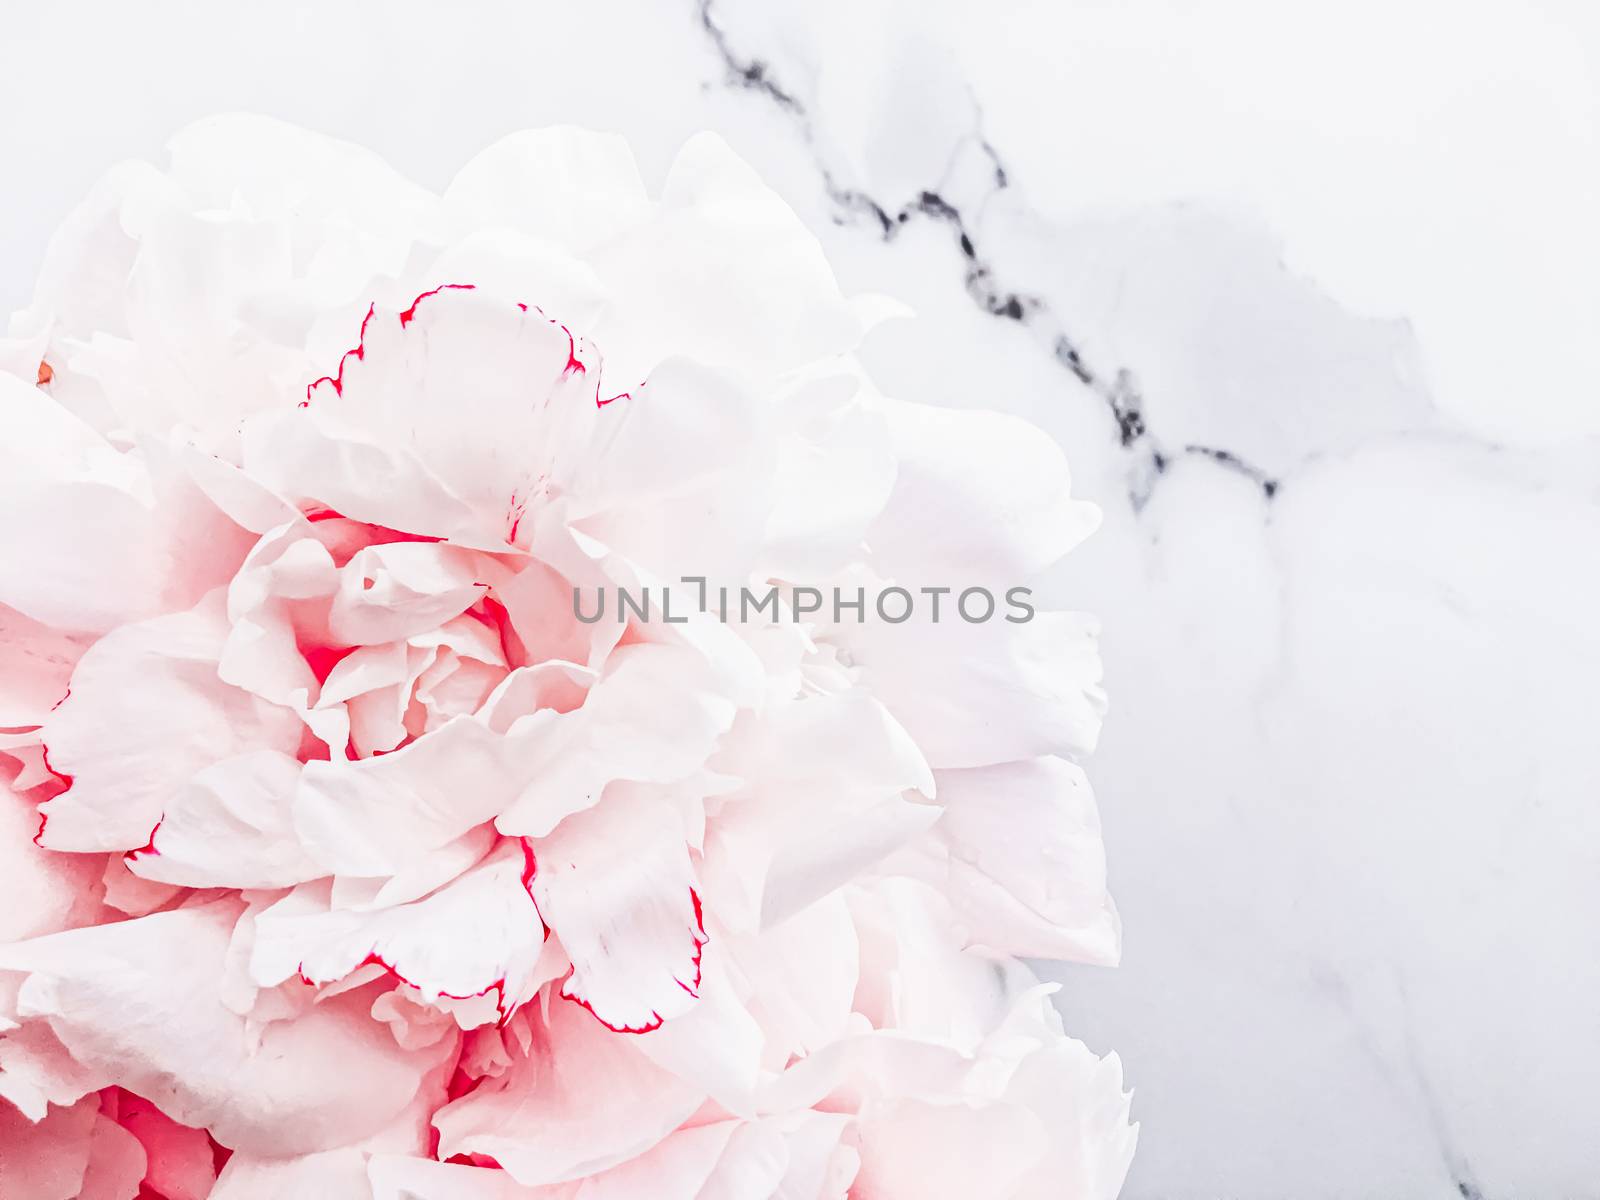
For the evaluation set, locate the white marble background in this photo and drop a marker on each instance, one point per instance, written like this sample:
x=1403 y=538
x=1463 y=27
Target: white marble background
x=1308 y=291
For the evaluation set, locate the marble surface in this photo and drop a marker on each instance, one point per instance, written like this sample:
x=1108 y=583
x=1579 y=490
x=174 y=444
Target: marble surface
x=1307 y=291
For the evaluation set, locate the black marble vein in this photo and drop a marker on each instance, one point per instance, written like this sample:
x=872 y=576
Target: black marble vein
x=1118 y=389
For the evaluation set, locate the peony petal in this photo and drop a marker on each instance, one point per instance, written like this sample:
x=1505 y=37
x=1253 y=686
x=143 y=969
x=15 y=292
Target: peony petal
x=422 y=387
x=382 y=816
x=83 y=519
x=395 y=1178
x=391 y=592
x=716 y=1045
x=833 y=476
x=116 y=1163
x=804 y=824
x=582 y=1101
x=615 y=885
x=47 y=1160
x=318 y=461
x=230 y=825
x=140 y=1000
x=40 y=891
x=972 y=694
x=181 y=1164
x=803 y=974
x=724 y=273
x=1026 y=866
x=978 y=497
x=331 y=1175
x=948 y=1152
x=576 y=188
x=477 y=934
x=125 y=761
x=39 y=661
x=653 y=717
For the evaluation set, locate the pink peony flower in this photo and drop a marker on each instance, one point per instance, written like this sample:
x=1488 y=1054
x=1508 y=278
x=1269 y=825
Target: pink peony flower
x=343 y=856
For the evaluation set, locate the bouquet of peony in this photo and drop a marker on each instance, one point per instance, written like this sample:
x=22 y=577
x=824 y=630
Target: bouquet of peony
x=401 y=797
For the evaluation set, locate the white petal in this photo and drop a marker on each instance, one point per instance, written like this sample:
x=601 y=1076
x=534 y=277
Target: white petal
x=724 y=273
x=1026 y=866
x=972 y=694
x=569 y=185
x=978 y=497
x=834 y=474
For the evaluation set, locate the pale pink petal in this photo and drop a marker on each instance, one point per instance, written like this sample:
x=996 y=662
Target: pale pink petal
x=47 y=1160
x=286 y=572
x=781 y=1157
x=116 y=1163
x=330 y=1175
x=395 y=1178
x=675 y=472
x=391 y=592
x=616 y=886
x=804 y=823
x=948 y=1151
x=381 y=816
x=131 y=894
x=40 y=891
x=141 y=1002
x=230 y=825
x=417 y=880
x=654 y=716
x=583 y=1100
x=125 y=760
x=717 y=1045
x=84 y=553
x=318 y=461
x=480 y=933
x=424 y=384
x=36 y=1071
x=803 y=975
x=39 y=661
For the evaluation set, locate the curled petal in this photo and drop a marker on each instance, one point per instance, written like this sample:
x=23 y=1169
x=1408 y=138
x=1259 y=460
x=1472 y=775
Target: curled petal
x=477 y=934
